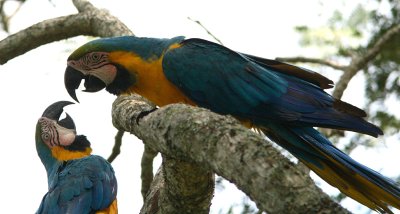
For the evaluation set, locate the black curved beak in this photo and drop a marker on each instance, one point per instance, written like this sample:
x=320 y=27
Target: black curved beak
x=54 y=111
x=73 y=78
x=67 y=122
x=93 y=84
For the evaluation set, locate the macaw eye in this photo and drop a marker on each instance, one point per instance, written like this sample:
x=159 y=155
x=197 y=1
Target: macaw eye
x=46 y=127
x=93 y=61
x=45 y=136
x=95 y=56
x=92 y=58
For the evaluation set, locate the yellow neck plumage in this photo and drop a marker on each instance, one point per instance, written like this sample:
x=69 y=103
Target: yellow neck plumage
x=62 y=154
x=150 y=79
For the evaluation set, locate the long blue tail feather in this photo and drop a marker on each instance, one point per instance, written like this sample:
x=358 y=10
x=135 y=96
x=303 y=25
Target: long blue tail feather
x=354 y=179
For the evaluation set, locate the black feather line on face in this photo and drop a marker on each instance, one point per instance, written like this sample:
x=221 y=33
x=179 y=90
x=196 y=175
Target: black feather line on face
x=123 y=80
x=80 y=144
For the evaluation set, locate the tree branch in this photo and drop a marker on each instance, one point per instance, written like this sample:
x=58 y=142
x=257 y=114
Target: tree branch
x=185 y=188
x=83 y=5
x=91 y=21
x=147 y=169
x=312 y=60
x=5 y=19
x=221 y=144
x=151 y=204
x=117 y=146
x=3 y=16
x=360 y=61
x=173 y=177
x=216 y=143
x=357 y=63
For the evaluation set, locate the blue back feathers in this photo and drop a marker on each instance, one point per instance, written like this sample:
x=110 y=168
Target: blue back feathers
x=80 y=186
x=282 y=100
x=285 y=102
x=228 y=82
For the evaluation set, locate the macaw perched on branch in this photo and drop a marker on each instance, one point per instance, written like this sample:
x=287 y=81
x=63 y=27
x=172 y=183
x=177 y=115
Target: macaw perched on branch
x=282 y=100
x=78 y=182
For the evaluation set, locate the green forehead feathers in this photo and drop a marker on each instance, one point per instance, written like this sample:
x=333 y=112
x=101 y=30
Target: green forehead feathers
x=145 y=47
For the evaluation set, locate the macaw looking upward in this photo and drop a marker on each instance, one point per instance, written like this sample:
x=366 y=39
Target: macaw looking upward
x=282 y=100
x=78 y=182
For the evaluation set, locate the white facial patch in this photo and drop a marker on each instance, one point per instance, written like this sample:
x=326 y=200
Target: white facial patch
x=54 y=134
x=95 y=64
x=105 y=73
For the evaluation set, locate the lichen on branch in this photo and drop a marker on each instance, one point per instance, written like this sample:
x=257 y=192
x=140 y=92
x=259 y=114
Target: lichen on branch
x=221 y=144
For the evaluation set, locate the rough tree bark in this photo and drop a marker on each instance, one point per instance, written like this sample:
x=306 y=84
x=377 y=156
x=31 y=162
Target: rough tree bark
x=221 y=144
x=185 y=187
x=193 y=139
x=147 y=170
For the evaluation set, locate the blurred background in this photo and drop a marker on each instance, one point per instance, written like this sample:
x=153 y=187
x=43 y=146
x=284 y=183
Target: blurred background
x=334 y=32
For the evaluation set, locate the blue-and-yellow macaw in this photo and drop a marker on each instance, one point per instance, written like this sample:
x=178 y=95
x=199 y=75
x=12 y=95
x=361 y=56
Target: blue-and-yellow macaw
x=282 y=100
x=78 y=182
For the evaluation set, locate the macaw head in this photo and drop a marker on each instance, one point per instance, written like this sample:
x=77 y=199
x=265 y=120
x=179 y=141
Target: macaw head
x=102 y=64
x=59 y=136
x=113 y=63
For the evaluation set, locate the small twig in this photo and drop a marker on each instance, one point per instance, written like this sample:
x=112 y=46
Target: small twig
x=3 y=16
x=15 y=11
x=312 y=60
x=6 y=19
x=360 y=61
x=147 y=169
x=83 y=5
x=209 y=33
x=117 y=146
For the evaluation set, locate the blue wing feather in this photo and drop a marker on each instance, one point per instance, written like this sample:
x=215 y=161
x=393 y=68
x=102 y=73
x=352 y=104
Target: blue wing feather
x=228 y=82
x=285 y=102
x=83 y=186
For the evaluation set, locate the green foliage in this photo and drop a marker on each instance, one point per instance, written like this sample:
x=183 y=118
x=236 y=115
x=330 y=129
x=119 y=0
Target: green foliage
x=382 y=75
x=388 y=122
x=339 y=34
x=345 y=36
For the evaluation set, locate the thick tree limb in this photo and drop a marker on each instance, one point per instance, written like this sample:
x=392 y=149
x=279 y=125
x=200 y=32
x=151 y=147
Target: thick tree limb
x=93 y=22
x=185 y=188
x=190 y=187
x=42 y=33
x=151 y=204
x=360 y=61
x=221 y=144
